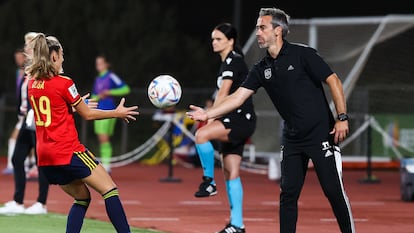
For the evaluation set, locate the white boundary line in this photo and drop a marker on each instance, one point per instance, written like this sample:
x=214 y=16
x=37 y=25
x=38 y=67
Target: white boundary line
x=195 y=203
x=155 y=219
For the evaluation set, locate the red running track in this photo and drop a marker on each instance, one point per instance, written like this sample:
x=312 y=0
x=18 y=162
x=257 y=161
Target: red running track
x=171 y=207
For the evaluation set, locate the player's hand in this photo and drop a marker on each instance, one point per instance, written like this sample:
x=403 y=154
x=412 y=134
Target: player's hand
x=126 y=113
x=197 y=113
x=340 y=131
x=92 y=103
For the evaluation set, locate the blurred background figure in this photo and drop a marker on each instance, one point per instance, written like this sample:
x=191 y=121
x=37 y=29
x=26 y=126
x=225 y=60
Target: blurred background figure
x=19 y=59
x=107 y=86
x=24 y=146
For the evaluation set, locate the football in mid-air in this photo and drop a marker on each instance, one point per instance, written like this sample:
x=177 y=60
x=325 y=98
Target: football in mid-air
x=164 y=91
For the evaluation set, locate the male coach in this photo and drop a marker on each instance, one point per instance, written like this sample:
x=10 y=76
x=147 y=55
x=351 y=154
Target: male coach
x=293 y=77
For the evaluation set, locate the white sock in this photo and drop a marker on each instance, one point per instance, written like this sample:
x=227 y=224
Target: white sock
x=10 y=150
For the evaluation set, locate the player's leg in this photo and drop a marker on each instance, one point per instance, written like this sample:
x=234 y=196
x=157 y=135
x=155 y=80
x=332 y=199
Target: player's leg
x=214 y=130
x=328 y=167
x=82 y=198
x=69 y=178
x=293 y=171
x=104 y=130
x=101 y=181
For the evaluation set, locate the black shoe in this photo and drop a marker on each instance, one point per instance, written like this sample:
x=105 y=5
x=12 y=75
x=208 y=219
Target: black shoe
x=206 y=189
x=232 y=229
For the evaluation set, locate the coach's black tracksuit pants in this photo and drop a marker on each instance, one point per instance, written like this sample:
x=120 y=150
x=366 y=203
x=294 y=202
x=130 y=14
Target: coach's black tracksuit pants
x=326 y=159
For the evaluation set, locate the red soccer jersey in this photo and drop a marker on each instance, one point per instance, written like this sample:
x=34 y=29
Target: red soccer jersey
x=56 y=134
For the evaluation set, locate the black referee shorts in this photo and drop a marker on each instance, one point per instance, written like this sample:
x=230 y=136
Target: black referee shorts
x=242 y=125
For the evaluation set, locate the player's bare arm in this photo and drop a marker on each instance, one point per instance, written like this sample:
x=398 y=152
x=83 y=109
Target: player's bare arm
x=223 y=92
x=341 y=128
x=121 y=111
x=126 y=113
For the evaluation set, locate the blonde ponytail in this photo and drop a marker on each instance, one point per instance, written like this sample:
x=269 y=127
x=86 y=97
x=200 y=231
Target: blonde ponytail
x=40 y=65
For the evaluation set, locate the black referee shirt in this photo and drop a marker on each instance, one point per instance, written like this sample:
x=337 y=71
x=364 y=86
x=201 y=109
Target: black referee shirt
x=235 y=68
x=293 y=82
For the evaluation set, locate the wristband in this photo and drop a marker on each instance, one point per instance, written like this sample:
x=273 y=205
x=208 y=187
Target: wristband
x=343 y=117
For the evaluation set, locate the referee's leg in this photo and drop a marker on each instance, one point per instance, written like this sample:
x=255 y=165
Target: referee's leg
x=328 y=167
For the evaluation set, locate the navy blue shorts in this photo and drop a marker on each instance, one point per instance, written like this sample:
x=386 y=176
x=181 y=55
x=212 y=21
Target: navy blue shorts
x=80 y=166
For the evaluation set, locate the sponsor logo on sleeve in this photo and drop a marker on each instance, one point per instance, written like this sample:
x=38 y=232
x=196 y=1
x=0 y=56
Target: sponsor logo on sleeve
x=73 y=91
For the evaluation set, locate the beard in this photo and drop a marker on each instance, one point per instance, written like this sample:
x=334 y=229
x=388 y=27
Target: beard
x=263 y=45
x=261 y=42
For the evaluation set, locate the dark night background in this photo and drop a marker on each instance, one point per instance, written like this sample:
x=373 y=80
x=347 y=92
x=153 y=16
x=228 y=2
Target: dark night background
x=210 y=13
x=148 y=37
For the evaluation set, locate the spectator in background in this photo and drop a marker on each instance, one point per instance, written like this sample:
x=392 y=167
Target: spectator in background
x=107 y=86
x=25 y=143
x=19 y=59
x=232 y=129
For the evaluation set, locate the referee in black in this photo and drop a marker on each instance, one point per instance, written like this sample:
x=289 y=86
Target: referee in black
x=293 y=76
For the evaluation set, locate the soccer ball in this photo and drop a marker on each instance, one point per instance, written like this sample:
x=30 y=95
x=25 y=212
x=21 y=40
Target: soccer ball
x=164 y=91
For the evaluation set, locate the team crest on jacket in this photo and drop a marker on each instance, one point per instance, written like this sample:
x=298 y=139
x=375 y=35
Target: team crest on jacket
x=228 y=60
x=268 y=73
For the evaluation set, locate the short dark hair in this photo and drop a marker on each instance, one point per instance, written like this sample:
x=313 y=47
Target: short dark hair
x=279 y=18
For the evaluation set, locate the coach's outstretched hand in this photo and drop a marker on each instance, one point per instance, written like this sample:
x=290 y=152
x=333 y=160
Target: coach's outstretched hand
x=126 y=113
x=197 y=113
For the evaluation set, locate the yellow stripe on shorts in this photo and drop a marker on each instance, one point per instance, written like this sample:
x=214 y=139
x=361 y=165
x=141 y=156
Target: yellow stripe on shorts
x=87 y=160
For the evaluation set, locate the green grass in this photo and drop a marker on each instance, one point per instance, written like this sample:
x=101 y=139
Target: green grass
x=52 y=223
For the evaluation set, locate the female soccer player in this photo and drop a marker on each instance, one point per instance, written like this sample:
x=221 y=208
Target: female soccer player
x=61 y=156
x=232 y=129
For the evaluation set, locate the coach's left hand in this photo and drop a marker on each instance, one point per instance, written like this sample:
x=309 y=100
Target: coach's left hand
x=340 y=131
